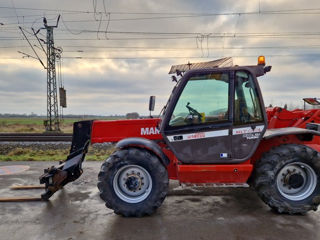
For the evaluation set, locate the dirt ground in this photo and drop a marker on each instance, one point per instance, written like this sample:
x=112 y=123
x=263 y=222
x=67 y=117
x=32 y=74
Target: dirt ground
x=77 y=212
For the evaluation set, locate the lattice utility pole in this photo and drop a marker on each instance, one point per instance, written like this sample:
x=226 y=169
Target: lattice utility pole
x=53 y=121
x=52 y=100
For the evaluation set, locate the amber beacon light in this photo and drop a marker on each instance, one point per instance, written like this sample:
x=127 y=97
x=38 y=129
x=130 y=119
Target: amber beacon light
x=261 y=60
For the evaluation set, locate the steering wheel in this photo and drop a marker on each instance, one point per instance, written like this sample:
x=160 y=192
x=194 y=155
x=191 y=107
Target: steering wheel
x=193 y=112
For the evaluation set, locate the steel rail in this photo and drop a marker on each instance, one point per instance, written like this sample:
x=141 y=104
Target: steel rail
x=35 y=137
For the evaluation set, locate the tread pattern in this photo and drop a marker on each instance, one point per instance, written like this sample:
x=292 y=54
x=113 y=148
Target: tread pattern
x=265 y=178
x=151 y=163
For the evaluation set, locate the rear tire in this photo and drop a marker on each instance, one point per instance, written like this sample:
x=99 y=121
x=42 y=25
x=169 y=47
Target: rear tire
x=287 y=178
x=133 y=182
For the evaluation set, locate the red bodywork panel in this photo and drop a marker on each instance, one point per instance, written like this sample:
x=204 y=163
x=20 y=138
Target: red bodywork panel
x=114 y=131
x=280 y=117
x=235 y=173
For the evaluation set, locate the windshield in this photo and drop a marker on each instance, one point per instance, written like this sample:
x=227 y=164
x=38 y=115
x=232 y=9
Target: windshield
x=204 y=100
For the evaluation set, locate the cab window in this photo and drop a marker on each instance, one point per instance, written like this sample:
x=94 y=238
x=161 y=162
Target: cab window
x=204 y=100
x=247 y=108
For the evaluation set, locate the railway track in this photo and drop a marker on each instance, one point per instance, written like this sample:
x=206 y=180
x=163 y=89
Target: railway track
x=35 y=137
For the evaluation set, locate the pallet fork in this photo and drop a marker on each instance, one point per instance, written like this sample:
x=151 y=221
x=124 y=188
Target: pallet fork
x=55 y=177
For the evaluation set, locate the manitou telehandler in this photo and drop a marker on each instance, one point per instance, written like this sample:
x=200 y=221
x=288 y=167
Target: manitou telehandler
x=212 y=132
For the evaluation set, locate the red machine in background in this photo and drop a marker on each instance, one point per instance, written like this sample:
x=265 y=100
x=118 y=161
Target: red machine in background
x=280 y=117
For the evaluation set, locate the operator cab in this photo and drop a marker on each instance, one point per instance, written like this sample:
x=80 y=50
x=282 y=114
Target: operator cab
x=215 y=115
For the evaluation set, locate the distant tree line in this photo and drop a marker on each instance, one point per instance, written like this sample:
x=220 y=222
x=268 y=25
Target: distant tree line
x=132 y=115
x=33 y=115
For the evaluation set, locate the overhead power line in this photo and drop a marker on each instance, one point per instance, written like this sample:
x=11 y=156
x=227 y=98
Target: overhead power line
x=44 y=9
x=174 y=35
x=209 y=34
x=165 y=15
x=177 y=57
x=192 y=57
x=34 y=51
x=191 y=48
x=167 y=38
x=299 y=11
x=36 y=15
x=124 y=48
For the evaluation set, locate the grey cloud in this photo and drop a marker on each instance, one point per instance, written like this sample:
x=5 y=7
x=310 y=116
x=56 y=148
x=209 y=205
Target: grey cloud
x=110 y=90
x=22 y=80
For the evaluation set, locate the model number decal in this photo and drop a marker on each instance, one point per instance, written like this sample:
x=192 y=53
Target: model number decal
x=251 y=135
x=247 y=130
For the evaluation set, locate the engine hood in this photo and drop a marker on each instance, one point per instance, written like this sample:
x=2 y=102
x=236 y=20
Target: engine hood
x=114 y=131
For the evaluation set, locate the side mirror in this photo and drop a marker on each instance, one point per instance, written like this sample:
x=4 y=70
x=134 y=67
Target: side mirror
x=152 y=102
x=247 y=85
x=267 y=69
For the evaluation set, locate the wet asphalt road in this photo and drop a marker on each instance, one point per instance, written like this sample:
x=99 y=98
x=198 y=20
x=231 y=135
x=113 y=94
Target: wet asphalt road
x=77 y=212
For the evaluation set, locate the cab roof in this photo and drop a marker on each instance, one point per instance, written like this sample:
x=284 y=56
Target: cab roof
x=223 y=62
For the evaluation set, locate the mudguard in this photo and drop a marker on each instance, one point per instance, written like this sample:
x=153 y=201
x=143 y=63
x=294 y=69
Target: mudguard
x=145 y=144
x=275 y=132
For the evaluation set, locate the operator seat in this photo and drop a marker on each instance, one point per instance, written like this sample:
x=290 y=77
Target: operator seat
x=241 y=114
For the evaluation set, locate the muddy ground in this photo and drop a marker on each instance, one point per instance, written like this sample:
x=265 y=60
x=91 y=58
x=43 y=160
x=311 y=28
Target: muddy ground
x=77 y=212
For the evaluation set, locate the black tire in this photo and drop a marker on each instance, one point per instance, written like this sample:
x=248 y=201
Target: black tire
x=277 y=181
x=111 y=174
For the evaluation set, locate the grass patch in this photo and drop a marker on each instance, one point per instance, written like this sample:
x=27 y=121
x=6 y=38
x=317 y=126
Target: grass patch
x=30 y=154
x=35 y=125
x=32 y=125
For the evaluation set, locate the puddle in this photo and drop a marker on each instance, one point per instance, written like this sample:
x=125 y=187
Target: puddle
x=8 y=170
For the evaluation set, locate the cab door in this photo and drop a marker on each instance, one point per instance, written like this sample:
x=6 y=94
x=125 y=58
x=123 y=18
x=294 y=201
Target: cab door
x=197 y=124
x=249 y=122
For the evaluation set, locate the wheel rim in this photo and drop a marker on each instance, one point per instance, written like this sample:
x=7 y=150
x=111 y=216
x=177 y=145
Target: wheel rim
x=132 y=183
x=296 y=181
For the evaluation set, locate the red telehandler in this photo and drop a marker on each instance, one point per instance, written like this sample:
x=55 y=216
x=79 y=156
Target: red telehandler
x=212 y=131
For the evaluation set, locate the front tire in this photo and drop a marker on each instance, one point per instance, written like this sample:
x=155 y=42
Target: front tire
x=287 y=178
x=133 y=182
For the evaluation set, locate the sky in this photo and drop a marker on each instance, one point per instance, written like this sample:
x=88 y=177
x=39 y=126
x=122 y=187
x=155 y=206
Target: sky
x=116 y=53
